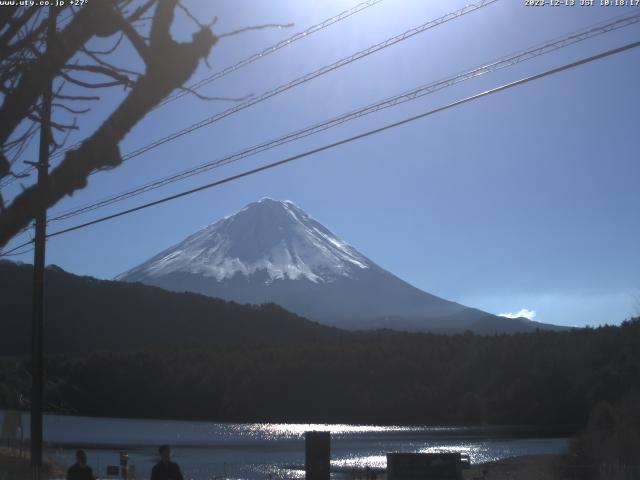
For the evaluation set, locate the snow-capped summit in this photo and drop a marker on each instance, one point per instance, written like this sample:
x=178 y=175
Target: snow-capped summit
x=272 y=236
x=272 y=251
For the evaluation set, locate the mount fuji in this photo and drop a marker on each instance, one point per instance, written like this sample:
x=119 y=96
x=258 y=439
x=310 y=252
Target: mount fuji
x=272 y=251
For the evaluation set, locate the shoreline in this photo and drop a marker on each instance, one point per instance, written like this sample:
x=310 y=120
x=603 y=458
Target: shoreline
x=452 y=429
x=525 y=467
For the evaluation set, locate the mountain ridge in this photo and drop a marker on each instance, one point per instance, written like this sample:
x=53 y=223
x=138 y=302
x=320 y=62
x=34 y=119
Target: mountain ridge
x=209 y=252
x=84 y=314
x=273 y=251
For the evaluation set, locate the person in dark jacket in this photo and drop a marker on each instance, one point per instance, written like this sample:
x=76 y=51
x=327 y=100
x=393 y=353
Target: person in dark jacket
x=80 y=470
x=165 y=469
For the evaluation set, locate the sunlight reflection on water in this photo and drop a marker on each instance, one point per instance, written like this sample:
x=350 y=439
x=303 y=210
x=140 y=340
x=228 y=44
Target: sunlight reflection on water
x=297 y=430
x=264 y=451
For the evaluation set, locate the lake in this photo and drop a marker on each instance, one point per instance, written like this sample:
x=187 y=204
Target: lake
x=206 y=450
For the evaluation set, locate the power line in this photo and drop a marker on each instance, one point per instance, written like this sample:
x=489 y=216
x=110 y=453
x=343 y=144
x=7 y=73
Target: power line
x=242 y=63
x=294 y=83
x=269 y=166
x=312 y=75
x=513 y=59
x=10 y=253
x=307 y=77
x=273 y=48
x=368 y=133
x=17 y=254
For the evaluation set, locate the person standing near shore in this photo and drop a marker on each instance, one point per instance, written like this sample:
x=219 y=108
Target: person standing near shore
x=80 y=470
x=165 y=469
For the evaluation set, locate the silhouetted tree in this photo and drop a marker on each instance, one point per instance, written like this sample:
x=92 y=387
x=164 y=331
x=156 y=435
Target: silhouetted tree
x=28 y=62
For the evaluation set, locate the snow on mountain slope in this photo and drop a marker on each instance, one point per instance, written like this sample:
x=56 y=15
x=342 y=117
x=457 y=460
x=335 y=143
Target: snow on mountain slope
x=272 y=251
x=271 y=236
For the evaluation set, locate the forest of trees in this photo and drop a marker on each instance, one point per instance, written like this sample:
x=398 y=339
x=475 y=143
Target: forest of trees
x=607 y=449
x=542 y=378
x=85 y=314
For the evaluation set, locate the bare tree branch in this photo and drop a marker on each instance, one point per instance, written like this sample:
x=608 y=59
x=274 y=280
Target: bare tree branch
x=168 y=66
x=69 y=109
x=99 y=69
x=140 y=11
x=96 y=18
x=106 y=64
x=16 y=25
x=61 y=127
x=77 y=98
x=136 y=39
x=9 y=49
x=82 y=83
x=195 y=19
x=5 y=15
x=57 y=145
x=109 y=50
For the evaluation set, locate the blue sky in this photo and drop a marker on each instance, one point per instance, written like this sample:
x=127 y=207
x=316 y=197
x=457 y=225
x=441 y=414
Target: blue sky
x=527 y=199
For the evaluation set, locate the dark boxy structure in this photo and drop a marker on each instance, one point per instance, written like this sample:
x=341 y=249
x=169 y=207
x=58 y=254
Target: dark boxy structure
x=317 y=455
x=424 y=466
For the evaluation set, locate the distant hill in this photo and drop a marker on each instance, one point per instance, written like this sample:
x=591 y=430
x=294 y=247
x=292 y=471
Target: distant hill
x=273 y=251
x=85 y=314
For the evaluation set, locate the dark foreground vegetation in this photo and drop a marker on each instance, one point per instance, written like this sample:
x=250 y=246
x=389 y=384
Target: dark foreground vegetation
x=543 y=378
x=84 y=314
x=608 y=448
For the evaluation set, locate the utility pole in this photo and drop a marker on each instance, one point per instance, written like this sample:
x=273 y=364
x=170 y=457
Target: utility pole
x=37 y=364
